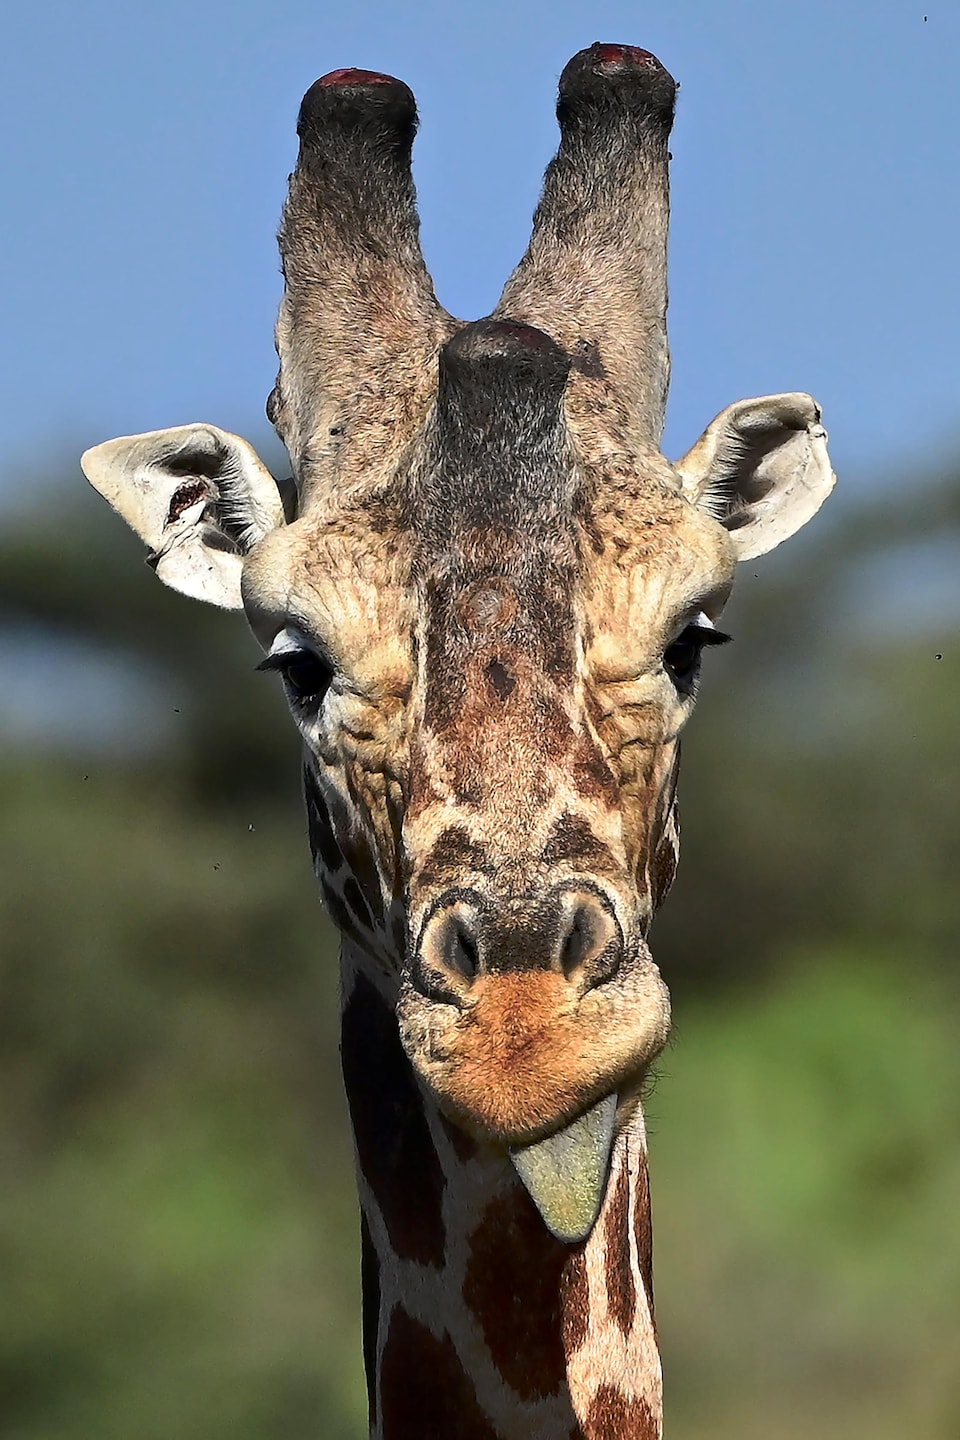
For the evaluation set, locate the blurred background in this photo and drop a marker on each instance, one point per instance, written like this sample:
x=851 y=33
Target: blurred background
x=178 y=1228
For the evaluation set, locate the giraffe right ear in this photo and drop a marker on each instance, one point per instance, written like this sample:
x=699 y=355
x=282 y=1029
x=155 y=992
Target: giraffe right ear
x=761 y=468
x=200 y=497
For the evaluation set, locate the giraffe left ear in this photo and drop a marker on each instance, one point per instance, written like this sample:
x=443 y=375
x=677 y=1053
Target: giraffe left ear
x=200 y=497
x=761 y=468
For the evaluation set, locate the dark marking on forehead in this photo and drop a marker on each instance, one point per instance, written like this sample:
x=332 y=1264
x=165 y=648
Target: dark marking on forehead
x=370 y=1314
x=621 y=1291
x=463 y=669
x=513 y=1287
x=487 y=605
x=615 y=1416
x=394 y=1147
x=571 y=839
x=425 y=1392
x=502 y=683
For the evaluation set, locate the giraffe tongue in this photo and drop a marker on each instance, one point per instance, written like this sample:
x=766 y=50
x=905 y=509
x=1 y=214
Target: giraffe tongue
x=566 y=1174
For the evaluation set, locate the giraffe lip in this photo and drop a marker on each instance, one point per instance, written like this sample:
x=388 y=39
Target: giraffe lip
x=566 y=1174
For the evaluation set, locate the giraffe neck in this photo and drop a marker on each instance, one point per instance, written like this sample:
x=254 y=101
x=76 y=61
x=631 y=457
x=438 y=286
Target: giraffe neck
x=477 y=1322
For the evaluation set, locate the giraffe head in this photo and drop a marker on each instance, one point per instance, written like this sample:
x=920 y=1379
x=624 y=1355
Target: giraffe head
x=487 y=593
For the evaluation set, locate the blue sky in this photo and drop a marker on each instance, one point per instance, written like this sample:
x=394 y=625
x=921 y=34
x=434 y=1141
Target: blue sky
x=815 y=199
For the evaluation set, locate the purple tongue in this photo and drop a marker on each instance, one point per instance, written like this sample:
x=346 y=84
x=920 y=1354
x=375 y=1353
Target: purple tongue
x=566 y=1174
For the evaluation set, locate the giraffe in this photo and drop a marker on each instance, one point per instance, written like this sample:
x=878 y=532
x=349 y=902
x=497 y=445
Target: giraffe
x=487 y=593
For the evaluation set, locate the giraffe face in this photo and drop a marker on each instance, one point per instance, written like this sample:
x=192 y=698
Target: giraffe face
x=488 y=595
x=490 y=696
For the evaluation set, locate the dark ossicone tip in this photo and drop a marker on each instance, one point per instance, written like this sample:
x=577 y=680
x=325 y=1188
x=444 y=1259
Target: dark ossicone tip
x=356 y=77
x=354 y=98
x=618 y=74
x=505 y=343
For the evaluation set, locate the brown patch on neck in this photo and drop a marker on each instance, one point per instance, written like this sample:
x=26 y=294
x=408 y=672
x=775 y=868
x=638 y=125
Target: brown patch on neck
x=514 y=1286
x=621 y=1291
x=643 y=1230
x=575 y=1301
x=615 y=1416
x=425 y=1394
x=395 y=1150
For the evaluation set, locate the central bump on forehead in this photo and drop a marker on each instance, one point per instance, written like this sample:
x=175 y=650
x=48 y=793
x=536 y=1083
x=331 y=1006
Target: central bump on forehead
x=506 y=359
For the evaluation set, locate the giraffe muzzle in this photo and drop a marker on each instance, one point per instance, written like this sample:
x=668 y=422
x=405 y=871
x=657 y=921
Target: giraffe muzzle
x=574 y=934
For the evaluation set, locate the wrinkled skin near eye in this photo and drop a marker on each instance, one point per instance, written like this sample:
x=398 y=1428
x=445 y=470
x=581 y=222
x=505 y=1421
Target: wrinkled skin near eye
x=681 y=659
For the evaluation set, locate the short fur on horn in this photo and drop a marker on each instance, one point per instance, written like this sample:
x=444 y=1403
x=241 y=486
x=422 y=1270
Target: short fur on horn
x=595 y=273
x=359 y=326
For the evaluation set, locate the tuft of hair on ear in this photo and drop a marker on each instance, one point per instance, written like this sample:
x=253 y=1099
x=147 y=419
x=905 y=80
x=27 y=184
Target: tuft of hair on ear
x=734 y=484
x=219 y=469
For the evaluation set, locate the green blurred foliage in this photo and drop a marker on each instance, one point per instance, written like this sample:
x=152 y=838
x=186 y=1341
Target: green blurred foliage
x=178 y=1230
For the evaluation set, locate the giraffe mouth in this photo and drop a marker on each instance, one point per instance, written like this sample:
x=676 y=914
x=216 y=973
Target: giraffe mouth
x=566 y=1174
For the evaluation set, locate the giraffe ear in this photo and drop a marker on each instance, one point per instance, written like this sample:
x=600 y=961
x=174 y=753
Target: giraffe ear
x=200 y=498
x=762 y=469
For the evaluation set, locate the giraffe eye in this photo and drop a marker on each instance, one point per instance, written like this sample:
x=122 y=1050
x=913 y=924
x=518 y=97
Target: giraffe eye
x=681 y=659
x=306 y=674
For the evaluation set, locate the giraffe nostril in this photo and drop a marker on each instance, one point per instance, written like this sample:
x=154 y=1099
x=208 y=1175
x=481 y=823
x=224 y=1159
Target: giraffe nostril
x=589 y=949
x=463 y=954
x=448 y=956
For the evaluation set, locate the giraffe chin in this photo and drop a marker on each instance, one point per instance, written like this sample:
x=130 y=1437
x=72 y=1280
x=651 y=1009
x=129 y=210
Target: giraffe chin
x=566 y=1174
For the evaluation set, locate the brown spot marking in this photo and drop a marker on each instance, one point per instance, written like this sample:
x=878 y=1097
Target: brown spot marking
x=575 y=1301
x=370 y=1314
x=513 y=1287
x=613 y=1416
x=453 y=852
x=394 y=1148
x=424 y=1391
x=572 y=839
x=621 y=1291
x=663 y=870
x=501 y=680
x=585 y=357
x=319 y=826
x=643 y=1230
x=592 y=775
